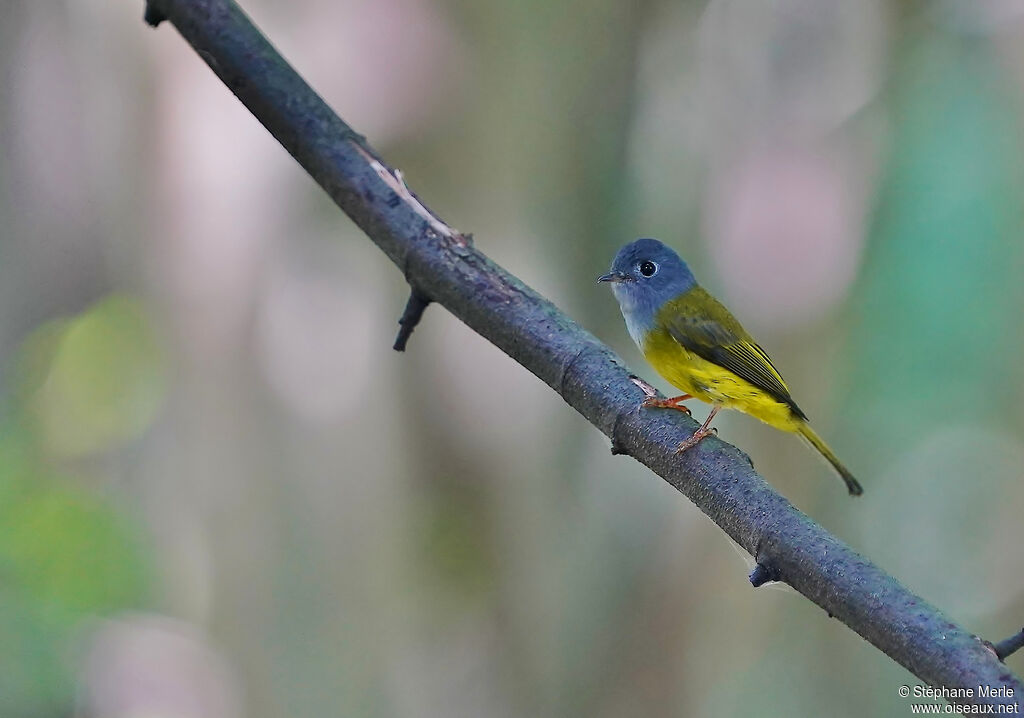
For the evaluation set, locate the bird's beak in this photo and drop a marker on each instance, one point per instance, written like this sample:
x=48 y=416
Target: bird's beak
x=615 y=277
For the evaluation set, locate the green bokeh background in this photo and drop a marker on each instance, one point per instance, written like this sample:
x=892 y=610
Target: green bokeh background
x=221 y=492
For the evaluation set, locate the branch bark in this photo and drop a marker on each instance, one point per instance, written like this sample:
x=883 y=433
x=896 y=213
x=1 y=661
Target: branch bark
x=444 y=268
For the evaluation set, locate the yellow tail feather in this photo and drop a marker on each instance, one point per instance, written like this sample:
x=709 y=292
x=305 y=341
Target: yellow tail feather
x=852 y=485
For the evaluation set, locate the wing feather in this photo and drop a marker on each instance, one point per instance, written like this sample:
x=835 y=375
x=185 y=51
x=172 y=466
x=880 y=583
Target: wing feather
x=703 y=326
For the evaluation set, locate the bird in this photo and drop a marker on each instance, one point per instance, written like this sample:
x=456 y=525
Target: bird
x=699 y=347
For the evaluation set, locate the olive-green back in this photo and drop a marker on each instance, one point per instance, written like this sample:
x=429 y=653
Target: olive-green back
x=703 y=326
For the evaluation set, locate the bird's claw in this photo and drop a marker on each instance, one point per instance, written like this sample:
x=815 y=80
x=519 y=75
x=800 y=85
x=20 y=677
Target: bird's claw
x=653 y=402
x=698 y=435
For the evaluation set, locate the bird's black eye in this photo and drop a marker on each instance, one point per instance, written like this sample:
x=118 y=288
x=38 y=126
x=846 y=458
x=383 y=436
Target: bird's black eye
x=648 y=268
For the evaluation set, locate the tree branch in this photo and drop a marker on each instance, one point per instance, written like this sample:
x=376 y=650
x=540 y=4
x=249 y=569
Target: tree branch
x=717 y=477
x=1009 y=646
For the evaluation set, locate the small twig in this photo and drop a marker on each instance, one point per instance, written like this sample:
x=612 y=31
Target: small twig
x=1009 y=646
x=410 y=318
x=762 y=574
x=153 y=16
x=418 y=302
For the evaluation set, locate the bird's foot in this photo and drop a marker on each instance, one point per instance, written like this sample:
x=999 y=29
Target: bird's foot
x=704 y=431
x=653 y=402
x=697 y=437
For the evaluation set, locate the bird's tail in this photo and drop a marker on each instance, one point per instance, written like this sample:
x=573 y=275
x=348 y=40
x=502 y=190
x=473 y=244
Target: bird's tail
x=852 y=485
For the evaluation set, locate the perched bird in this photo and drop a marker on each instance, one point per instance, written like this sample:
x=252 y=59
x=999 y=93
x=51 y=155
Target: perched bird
x=697 y=345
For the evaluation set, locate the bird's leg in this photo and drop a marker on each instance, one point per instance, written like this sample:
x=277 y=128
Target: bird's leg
x=653 y=402
x=700 y=433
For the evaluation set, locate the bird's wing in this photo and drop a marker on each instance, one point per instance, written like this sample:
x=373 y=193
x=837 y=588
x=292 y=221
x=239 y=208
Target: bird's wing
x=703 y=326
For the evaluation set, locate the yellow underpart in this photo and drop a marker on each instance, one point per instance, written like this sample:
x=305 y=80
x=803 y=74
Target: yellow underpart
x=711 y=383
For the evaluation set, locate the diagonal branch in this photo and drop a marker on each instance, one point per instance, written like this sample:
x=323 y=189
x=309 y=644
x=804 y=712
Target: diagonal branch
x=443 y=267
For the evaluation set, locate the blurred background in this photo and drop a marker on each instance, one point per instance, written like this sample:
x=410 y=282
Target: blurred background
x=223 y=494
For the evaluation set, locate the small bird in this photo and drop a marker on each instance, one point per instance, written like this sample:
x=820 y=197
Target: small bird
x=698 y=346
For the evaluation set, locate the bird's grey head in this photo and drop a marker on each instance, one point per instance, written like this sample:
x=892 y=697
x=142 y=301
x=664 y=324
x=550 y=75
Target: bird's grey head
x=645 y=275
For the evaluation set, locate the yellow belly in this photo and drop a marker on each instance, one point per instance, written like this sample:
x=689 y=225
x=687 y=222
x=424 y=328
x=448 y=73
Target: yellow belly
x=711 y=383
